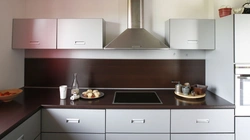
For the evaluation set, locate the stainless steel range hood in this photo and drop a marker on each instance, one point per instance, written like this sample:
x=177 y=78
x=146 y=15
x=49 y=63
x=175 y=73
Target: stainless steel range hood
x=135 y=37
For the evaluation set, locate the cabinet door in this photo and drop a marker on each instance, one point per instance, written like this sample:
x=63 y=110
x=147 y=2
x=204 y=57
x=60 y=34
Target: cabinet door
x=80 y=34
x=202 y=136
x=190 y=33
x=28 y=130
x=242 y=127
x=202 y=121
x=141 y=121
x=242 y=41
x=73 y=120
x=34 y=34
x=72 y=136
x=137 y=136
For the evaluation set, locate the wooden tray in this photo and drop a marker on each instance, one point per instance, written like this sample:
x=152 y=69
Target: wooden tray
x=190 y=96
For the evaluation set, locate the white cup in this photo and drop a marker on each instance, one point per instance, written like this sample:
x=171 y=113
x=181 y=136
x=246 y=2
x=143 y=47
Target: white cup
x=63 y=91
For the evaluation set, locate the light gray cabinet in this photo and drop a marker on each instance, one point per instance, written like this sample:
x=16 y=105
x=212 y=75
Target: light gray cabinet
x=242 y=127
x=34 y=33
x=137 y=136
x=241 y=36
x=68 y=124
x=28 y=130
x=72 y=136
x=202 y=124
x=202 y=137
x=80 y=34
x=137 y=124
x=190 y=34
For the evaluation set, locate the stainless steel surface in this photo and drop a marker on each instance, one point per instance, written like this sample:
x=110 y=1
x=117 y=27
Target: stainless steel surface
x=242 y=90
x=135 y=37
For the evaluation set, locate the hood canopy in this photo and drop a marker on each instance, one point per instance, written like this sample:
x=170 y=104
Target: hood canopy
x=135 y=37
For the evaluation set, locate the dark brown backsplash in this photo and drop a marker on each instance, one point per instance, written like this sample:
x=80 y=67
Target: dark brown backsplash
x=113 y=73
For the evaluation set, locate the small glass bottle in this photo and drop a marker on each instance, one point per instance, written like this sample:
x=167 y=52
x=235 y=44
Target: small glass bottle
x=75 y=86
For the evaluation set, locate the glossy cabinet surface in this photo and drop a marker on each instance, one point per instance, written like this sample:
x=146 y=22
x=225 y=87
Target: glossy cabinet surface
x=242 y=127
x=190 y=33
x=80 y=34
x=202 y=121
x=72 y=136
x=241 y=36
x=34 y=34
x=28 y=130
x=202 y=137
x=137 y=121
x=73 y=120
x=137 y=136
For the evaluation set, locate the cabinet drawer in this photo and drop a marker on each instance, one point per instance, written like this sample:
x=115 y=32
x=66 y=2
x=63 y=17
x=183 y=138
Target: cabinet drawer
x=28 y=130
x=202 y=137
x=142 y=121
x=138 y=137
x=73 y=120
x=209 y=120
x=72 y=136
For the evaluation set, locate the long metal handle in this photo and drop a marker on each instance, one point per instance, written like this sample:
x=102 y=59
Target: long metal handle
x=35 y=42
x=138 y=121
x=70 y=120
x=202 y=121
x=243 y=77
x=80 y=43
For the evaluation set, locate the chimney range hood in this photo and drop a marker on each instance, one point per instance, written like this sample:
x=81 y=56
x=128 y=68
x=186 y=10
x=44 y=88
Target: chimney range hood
x=135 y=36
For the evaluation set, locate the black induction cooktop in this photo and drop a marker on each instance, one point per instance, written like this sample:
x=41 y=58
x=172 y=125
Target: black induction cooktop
x=136 y=97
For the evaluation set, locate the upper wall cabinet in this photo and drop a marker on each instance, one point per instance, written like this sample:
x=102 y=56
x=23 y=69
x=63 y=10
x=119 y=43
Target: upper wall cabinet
x=80 y=34
x=190 y=33
x=34 y=34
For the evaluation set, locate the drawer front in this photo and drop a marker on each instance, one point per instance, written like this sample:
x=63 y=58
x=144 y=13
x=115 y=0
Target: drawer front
x=138 y=137
x=209 y=120
x=143 y=121
x=73 y=120
x=202 y=137
x=72 y=136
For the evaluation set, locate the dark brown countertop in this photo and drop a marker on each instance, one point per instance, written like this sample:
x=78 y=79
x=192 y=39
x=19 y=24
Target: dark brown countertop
x=31 y=100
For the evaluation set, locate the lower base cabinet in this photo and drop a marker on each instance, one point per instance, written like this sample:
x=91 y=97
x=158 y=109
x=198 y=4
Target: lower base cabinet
x=242 y=127
x=28 y=130
x=72 y=136
x=202 y=136
x=137 y=137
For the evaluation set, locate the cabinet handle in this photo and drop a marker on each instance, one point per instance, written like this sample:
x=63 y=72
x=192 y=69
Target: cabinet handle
x=202 y=121
x=21 y=137
x=35 y=42
x=192 y=41
x=138 y=121
x=72 y=120
x=80 y=43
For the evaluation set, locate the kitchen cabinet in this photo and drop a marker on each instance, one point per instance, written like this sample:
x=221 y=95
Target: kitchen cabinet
x=241 y=37
x=242 y=127
x=28 y=130
x=34 y=34
x=71 y=136
x=80 y=34
x=137 y=124
x=195 y=124
x=67 y=124
x=202 y=137
x=190 y=34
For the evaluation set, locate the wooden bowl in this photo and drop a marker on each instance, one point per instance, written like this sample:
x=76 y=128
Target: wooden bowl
x=9 y=94
x=199 y=89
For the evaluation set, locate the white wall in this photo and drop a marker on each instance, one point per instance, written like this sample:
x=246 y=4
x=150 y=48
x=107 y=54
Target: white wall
x=11 y=61
x=114 y=12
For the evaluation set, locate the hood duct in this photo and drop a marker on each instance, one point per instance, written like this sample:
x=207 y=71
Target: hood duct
x=135 y=36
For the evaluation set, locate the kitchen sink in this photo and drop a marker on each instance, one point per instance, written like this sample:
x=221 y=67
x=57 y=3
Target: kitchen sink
x=136 y=97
